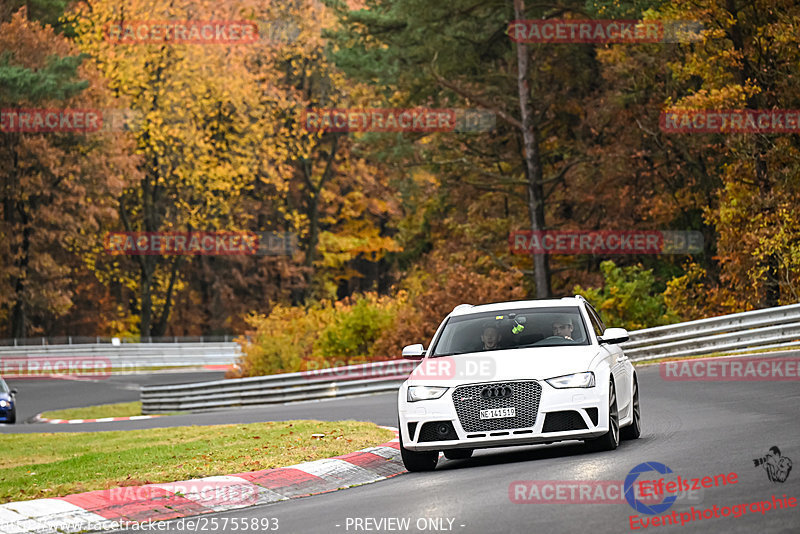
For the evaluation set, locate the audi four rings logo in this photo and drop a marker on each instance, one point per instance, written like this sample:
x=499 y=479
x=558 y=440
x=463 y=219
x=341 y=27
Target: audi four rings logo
x=496 y=392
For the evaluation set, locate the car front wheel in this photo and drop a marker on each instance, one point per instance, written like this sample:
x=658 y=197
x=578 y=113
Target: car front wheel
x=418 y=461
x=610 y=440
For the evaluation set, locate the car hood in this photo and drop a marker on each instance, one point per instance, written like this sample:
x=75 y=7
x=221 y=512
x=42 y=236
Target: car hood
x=534 y=363
x=5 y=396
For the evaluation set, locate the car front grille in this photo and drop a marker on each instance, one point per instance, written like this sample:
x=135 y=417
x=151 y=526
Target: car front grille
x=524 y=397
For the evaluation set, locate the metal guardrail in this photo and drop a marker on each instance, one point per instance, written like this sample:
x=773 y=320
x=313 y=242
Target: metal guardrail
x=124 y=356
x=253 y=391
x=87 y=340
x=773 y=327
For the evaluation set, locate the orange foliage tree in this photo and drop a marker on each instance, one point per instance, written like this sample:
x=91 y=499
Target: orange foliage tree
x=59 y=187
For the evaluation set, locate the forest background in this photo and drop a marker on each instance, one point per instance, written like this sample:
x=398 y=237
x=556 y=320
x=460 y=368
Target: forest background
x=393 y=229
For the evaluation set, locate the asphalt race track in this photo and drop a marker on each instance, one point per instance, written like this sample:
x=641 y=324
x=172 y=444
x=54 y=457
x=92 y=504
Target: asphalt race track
x=697 y=429
x=36 y=396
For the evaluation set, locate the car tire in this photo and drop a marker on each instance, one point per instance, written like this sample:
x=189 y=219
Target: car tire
x=417 y=461
x=610 y=440
x=458 y=454
x=633 y=430
x=12 y=417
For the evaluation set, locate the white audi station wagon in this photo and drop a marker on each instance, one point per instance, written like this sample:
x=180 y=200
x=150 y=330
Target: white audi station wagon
x=517 y=373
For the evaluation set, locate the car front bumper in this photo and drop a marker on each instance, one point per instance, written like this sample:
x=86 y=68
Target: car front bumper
x=560 y=414
x=5 y=413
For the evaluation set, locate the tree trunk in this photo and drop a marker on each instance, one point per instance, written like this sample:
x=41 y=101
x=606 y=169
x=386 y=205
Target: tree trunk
x=313 y=228
x=160 y=327
x=533 y=165
x=771 y=284
x=146 y=299
x=314 y=193
x=18 y=315
x=14 y=212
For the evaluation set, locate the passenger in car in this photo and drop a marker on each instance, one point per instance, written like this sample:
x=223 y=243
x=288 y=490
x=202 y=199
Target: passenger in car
x=563 y=327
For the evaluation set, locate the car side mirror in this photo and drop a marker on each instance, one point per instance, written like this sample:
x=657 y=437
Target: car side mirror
x=13 y=391
x=414 y=352
x=614 y=335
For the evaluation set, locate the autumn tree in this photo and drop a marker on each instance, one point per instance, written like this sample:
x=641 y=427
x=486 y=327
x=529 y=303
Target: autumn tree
x=47 y=12
x=205 y=136
x=639 y=177
x=59 y=182
x=460 y=55
x=749 y=60
x=738 y=189
x=340 y=200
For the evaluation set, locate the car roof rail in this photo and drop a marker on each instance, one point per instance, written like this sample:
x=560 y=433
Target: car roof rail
x=461 y=307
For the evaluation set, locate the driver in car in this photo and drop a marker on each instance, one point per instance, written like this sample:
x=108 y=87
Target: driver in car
x=563 y=327
x=490 y=337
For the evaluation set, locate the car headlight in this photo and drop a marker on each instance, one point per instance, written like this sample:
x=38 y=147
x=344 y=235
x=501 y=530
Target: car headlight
x=418 y=393
x=577 y=380
x=4 y=403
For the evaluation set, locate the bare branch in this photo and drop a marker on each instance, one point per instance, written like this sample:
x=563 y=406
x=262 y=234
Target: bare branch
x=564 y=170
x=500 y=263
x=470 y=96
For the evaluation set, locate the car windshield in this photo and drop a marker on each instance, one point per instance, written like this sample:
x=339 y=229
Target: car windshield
x=512 y=329
x=3 y=386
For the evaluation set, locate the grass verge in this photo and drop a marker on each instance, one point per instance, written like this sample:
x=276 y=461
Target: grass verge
x=35 y=466
x=122 y=409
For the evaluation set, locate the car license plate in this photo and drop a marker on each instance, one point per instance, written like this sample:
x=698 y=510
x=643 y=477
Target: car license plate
x=498 y=413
